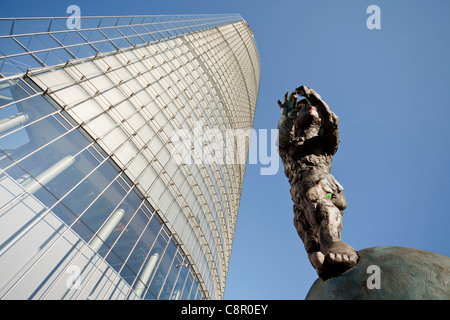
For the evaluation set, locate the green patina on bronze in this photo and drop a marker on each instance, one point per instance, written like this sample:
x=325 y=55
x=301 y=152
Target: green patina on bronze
x=405 y=274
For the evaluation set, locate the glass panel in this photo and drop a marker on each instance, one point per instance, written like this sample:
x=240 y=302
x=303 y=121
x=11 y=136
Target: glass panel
x=127 y=31
x=140 y=252
x=69 y=38
x=92 y=35
x=114 y=139
x=114 y=96
x=107 y=22
x=128 y=230
x=5 y=26
x=125 y=109
x=126 y=152
x=166 y=292
x=31 y=25
x=163 y=269
x=139 y=29
x=122 y=43
x=194 y=291
x=136 y=40
x=18 y=64
x=9 y=92
x=76 y=169
x=136 y=166
x=9 y=46
x=148 y=177
x=105 y=46
x=83 y=195
x=101 y=125
x=136 y=121
x=54 y=57
x=187 y=287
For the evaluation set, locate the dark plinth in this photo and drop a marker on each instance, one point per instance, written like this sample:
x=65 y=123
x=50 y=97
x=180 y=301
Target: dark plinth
x=405 y=274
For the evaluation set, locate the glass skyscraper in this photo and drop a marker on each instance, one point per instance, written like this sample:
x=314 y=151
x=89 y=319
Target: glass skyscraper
x=94 y=204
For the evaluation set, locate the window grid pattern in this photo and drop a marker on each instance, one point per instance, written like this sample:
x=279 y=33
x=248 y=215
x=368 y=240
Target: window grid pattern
x=28 y=150
x=131 y=101
x=38 y=42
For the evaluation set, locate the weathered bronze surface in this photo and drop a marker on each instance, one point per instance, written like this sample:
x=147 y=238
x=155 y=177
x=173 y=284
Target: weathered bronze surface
x=308 y=140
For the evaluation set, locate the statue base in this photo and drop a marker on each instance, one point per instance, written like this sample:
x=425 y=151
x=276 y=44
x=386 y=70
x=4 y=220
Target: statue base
x=389 y=273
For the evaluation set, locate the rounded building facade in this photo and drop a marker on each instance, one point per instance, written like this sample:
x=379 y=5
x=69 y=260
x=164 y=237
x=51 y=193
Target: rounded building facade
x=110 y=186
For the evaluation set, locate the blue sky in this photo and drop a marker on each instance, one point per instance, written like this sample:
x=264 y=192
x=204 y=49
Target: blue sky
x=389 y=87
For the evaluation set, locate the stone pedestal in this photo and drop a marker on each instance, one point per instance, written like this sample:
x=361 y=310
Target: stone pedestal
x=389 y=273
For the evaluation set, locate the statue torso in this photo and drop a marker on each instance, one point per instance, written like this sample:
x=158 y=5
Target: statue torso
x=304 y=155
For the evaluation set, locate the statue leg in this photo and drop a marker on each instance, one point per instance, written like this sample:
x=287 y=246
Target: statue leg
x=310 y=237
x=332 y=256
x=306 y=231
x=339 y=256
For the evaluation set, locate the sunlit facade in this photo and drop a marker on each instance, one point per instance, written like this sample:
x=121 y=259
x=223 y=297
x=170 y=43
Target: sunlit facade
x=92 y=203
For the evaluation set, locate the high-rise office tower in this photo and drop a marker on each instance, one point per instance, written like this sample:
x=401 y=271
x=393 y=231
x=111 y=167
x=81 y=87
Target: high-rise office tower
x=111 y=185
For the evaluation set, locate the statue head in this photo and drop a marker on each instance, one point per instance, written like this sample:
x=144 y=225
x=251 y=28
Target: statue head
x=307 y=122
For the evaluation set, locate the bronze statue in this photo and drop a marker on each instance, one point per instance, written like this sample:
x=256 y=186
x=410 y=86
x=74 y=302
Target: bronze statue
x=308 y=140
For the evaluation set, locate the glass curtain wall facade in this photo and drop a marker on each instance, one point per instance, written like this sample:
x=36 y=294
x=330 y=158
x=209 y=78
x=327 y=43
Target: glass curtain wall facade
x=92 y=203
